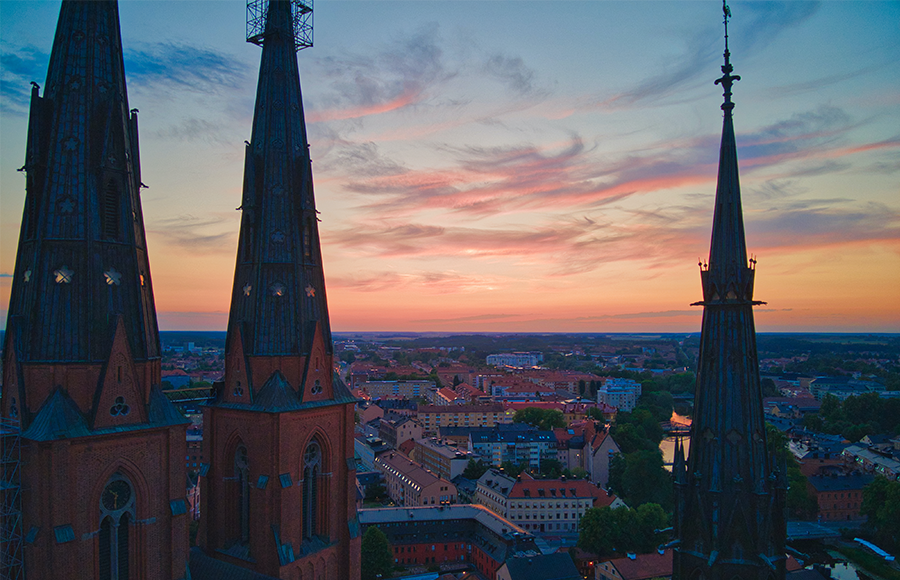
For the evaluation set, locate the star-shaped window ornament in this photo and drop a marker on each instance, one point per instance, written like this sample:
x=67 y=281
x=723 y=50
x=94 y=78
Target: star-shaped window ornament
x=278 y=236
x=247 y=289
x=112 y=159
x=112 y=277
x=67 y=205
x=63 y=275
x=310 y=291
x=278 y=289
x=27 y=275
x=75 y=85
x=71 y=144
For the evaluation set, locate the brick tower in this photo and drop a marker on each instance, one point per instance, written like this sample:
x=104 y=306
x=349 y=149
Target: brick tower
x=729 y=511
x=102 y=474
x=279 y=492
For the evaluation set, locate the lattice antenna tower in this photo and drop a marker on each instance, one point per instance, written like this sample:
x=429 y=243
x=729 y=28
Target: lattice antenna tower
x=301 y=14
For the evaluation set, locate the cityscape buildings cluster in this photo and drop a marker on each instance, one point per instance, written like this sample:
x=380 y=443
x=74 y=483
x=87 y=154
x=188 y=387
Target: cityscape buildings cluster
x=471 y=468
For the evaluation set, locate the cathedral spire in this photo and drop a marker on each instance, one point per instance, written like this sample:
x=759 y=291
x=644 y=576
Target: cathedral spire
x=281 y=415
x=82 y=261
x=728 y=247
x=81 y=363
x=279 y=286
x=729 y=507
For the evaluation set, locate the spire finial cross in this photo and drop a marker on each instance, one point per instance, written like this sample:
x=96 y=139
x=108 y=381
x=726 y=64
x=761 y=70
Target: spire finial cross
x=727 y=78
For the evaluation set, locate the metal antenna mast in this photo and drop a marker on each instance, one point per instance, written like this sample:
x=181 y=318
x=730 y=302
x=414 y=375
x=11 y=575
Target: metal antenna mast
x=301 y=15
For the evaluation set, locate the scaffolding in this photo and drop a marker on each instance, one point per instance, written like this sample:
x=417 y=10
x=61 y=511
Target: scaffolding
x=12 y=566
x=301 y=14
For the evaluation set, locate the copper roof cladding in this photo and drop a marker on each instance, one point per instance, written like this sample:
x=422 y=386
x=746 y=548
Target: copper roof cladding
x=279 y=284
x=82 y=255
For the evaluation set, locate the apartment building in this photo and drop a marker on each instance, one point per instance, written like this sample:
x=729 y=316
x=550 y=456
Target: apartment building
x=433 y=417
x=434 y=535
x=393 y=389
x=515 y=359
x=588 y=445
x=410 y=484
x=521 y=445
x=441 y=456
x=541 y=505
x=622 y=394
x=838 y=497
x=395 y=428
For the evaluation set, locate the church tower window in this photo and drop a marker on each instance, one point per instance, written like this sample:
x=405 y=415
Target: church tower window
x=109 y=211
x=312 y=468
x=116 y=514
x=242 y=476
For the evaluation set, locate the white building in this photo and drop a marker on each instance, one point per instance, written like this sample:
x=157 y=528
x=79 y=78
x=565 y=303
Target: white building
x=515 y=359
x=622 y=394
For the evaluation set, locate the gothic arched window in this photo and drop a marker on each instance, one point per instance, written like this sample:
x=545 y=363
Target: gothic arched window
x=312 y=469
x=109 y=211
x=116 y=514
x=307 y=238
x=242 y=476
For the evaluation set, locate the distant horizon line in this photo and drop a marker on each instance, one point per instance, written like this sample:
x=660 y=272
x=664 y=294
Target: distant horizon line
x=546 y=332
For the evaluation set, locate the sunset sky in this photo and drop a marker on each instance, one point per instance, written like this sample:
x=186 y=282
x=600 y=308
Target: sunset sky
x=492 y=166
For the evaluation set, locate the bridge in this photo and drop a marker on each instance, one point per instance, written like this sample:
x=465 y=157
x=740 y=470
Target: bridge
x=675 y=429
x=799 y=530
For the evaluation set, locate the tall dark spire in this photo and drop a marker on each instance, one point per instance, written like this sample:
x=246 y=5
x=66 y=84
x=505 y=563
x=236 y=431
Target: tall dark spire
x=82 y=257
x=281 y=414
x=81 y=366
x=279 y=285
x=729 y=518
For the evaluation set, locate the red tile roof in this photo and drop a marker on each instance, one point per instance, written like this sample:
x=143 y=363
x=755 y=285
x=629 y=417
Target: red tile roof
x=558 y=488
x=644 y=566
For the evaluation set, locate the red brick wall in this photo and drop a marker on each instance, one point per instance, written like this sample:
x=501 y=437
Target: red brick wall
x=440 y=552
x=62 y=482
x=839 y=505
x=275 y=444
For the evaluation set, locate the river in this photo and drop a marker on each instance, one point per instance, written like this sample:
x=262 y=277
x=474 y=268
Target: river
x=667 y=445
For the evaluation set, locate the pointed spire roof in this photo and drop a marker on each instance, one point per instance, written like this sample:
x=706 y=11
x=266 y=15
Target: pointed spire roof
x=729 y=465
x=728 y=246
x=279 y=285
x=82 y=254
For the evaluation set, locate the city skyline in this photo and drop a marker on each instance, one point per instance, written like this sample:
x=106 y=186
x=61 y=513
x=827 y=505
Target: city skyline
x=551 y=173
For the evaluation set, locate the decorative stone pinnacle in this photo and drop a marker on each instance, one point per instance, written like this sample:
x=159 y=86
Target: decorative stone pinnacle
x=727 y=78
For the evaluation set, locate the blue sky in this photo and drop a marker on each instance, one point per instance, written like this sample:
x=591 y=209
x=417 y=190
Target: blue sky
x=517 y=166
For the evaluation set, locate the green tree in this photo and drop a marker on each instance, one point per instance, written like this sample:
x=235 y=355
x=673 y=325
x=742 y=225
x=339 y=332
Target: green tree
x=881 y=503
x=800 y=502
x=474 y=469
x=645 y=480
x=617 y=465
x=596 y=414
x=606 y=531
x=769 y=389
x=377 y=559
x=544 y=419
x=513 y=470
x=376 y=492
x=551 y=468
